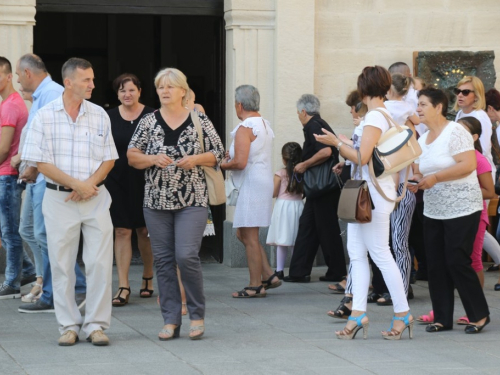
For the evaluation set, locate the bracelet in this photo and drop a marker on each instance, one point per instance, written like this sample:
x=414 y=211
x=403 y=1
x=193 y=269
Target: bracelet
x=339 y=145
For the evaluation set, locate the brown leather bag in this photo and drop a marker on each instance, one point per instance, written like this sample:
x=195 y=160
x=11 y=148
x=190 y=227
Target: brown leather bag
x=355 y=204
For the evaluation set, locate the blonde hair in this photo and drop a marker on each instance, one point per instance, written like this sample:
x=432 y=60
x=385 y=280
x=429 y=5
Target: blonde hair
x=478 y=86
x=174 y=77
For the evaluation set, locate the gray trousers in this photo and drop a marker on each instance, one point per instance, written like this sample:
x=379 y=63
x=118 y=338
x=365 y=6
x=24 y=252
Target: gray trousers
x=175 y=240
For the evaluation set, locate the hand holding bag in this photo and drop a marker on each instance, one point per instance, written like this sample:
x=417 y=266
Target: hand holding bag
x=355 y=203
x=213 y=176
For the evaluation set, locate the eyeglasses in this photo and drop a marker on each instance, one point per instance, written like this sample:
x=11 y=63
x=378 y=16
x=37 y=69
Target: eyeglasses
x=464 y=92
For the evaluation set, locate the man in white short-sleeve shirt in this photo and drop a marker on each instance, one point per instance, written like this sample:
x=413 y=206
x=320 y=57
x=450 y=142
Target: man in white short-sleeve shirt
x=70 y=140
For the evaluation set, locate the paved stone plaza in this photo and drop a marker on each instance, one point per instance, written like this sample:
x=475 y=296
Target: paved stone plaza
x=286 y=333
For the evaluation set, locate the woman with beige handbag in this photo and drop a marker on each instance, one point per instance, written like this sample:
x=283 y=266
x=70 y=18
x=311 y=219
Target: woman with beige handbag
x=372 y=237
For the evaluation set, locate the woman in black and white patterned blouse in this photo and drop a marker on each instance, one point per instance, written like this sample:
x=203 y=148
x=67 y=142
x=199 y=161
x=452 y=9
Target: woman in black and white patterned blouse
x=167 y=146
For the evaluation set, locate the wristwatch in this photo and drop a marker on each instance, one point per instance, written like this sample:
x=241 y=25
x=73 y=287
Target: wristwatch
x=340 y=144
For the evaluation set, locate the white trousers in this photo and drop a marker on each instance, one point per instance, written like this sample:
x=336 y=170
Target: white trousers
x=63 y=222
x=374 y=238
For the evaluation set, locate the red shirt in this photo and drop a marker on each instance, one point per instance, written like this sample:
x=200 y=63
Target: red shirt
x=13 y=112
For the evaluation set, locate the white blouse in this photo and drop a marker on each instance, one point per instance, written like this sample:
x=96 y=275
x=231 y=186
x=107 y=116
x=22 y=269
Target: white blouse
x=450 y=199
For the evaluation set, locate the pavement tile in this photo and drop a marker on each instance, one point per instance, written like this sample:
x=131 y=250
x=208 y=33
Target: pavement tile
x=288 y=332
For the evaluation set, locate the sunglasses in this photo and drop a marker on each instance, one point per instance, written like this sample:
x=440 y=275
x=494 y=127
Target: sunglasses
x=463 y=92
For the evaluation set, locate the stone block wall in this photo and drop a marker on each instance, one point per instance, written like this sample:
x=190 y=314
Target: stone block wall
x=350 y=35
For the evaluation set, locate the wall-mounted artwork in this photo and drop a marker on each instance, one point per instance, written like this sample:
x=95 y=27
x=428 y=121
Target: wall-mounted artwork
x=444 y=70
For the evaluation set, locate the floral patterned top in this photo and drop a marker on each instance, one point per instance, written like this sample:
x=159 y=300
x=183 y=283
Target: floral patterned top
x=173 y=188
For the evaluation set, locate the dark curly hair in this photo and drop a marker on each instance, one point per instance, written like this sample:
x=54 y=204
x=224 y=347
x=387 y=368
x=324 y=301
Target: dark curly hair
x=292 y=155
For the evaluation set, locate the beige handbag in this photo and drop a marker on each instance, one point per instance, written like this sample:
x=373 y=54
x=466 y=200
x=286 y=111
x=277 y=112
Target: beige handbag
x=213 y=176
x=396 y=149
x=355 y=203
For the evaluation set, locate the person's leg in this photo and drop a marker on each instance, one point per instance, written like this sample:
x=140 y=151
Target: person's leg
x=123 y=256
x=328 y=229
x=416 y=240
x=161 y=231
x=144 y=245
x=62 y=222
x=27 y=230
x=10 y=205
x=378 y=246
x=281 y=254
x=249 y=237
x=359 y=274
x=401 y=219
x=190 y=223
x=359 y=269
x=97 y=231
x=183 y=292
x=491 y=246
x=440 y=283
x=477 y=251
x=378 y=282
x=460 y=234
x=306 y=244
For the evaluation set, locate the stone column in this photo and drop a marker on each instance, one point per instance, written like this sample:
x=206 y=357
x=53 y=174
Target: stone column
x=17 y=18
x=250 y=42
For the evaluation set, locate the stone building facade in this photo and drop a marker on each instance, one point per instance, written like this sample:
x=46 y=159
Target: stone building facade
x=290 y=47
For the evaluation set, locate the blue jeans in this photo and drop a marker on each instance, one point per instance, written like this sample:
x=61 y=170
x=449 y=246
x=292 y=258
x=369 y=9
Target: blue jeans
x=18 y=263
x=34 y=233
x=32 y=229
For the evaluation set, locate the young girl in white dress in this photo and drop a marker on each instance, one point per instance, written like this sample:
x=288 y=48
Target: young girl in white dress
x=288 y=190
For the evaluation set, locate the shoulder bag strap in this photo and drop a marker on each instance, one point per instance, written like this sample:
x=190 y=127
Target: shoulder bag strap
x=197 y=125
x=374 y=180
x=379 y=189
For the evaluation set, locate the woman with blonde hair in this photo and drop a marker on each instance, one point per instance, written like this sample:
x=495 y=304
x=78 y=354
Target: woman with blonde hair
x=166 y=143
x=472 y=102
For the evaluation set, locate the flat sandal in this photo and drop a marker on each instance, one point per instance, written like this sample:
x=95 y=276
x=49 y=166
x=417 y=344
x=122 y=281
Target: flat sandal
x=257 y=289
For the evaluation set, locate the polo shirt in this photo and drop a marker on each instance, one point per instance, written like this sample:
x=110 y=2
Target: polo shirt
x=13 y=113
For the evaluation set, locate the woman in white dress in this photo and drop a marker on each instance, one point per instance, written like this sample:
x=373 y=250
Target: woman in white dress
x=249 y=159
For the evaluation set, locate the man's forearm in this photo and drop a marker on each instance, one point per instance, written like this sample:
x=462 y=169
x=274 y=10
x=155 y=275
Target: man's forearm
x=318 y=157
x=101 y=172
x=56 y=175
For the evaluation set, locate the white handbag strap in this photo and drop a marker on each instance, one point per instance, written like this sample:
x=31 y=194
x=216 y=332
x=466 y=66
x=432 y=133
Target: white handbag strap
x=374 y=180
x=247 y=168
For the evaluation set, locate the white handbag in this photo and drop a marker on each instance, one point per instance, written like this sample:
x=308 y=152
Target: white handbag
x=232 y=191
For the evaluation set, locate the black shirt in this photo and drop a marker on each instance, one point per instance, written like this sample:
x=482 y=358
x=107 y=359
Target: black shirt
x=172 y=135
x=311 y=145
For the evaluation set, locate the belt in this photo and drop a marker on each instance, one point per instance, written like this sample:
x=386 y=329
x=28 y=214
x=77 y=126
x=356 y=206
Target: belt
x=62 y=188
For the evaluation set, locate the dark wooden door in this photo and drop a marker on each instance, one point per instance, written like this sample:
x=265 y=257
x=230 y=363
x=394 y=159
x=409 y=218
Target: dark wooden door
x=141 y=37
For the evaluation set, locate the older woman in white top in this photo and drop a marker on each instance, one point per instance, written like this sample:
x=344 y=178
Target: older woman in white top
x=249 y=161
x=446 y=171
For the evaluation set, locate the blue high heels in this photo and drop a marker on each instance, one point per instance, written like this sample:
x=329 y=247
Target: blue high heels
x=393 y=334
x=349 y=334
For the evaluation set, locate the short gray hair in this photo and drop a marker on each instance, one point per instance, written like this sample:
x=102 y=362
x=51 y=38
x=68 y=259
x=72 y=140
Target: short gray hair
x=72 y=64
x=32 y=62
x=248 y=96
x=310 y=103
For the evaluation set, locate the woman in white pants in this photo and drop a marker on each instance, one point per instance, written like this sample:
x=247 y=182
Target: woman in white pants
x=373 y=237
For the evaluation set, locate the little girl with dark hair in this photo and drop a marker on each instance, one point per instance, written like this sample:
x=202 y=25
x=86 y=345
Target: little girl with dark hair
x=288 y=190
